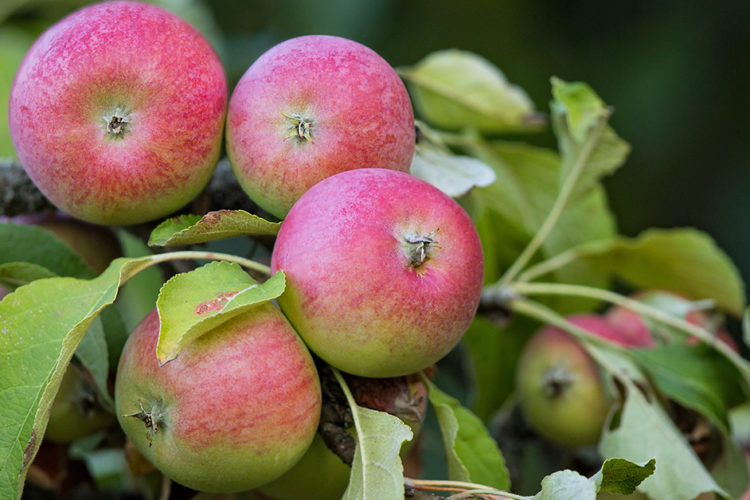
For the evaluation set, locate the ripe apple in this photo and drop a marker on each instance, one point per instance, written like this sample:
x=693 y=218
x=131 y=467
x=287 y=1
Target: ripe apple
x=311 y=107
x=384 y=271
x=559 y=385
x=116 y=113
x=632 y=326
x=236 y=409
x=76 y=410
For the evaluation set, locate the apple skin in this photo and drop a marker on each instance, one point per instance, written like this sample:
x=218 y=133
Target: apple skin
x=119 y=60
x=632 y=327
x=319 y=475
x=76 y=411
x=358 y=111
x=559 y=385
x=236 y=409
x=404 y=397
x=355 y=292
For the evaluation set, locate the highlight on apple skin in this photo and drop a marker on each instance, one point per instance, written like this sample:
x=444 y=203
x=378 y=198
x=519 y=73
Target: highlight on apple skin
x=237 y=408
x=384 y=271
x=311 y=107
x=117 y=113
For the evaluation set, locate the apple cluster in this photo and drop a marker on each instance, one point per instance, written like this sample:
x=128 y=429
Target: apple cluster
x=117 y=114
x=560 y=387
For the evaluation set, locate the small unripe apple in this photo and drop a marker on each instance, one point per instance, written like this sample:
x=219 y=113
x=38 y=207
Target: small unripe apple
x=237 y=408
x=321 y=474
x=311 y=107
x=384 y=271
x=76 y=411
x=560 y=387
x=117 y=112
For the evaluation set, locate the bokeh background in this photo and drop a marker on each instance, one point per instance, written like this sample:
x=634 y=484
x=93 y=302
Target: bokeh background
x=676 y=73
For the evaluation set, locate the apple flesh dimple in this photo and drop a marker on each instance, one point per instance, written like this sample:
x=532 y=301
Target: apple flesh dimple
x=355 y=292
x=559 y=385
x=311 y=107
x=236 y=409
x=117 y=112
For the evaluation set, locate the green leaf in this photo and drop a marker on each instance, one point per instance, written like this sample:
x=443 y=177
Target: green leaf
x=566 y=485
x=26 y=243
x=377 y=472
x=620 y=476
x=579 y=106
x=471 y=452
x=138 y=296
x=93 y=353
x=454 y=89
x=684 y=260
x=190 y=304
x=646 y=432
x=453 y=174
x=618 y=362
x=697 y=377
x=115 y=331
x=746 y=327
x=589 y=148
x=616 y=476
x=191 y=229
x=41 y=325
x=730 y=468
x=494 y=355
x=511 y=210
x=15 y=43
x=15 y=274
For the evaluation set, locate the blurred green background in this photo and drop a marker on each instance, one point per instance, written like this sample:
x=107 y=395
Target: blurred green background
x=675 y=72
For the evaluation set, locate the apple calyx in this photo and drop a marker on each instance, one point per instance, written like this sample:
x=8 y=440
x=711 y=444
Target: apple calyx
x=87 y=401
x=117 y=122
x=419 y=248
x=556 y=380
x=301 y=127
x=152 y=419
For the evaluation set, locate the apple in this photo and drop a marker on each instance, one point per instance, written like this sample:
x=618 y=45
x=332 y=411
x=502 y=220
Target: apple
x=632 y=326
x=384 y=271
x=404 y=397
x=117 y=112
x=319 y=475
x=311 y=107
x=559 y=386
x=237 y=408
x=76 y=411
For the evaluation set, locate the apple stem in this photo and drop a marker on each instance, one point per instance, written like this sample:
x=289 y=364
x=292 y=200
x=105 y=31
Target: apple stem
x=418 y=248
x=464 y=489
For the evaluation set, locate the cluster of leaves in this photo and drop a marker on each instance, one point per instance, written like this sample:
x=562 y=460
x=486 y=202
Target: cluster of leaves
x=539 y=212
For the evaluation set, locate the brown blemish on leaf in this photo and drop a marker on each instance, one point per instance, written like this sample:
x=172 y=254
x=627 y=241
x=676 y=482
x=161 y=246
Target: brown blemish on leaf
x=214 y=304
x=28 y=452
x=215 y=217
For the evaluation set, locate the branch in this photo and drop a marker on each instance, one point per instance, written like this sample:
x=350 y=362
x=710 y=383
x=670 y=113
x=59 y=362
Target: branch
x=18 y=194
